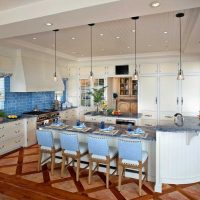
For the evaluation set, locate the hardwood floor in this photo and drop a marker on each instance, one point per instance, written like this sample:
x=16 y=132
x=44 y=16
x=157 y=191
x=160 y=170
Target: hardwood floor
x=19 y=179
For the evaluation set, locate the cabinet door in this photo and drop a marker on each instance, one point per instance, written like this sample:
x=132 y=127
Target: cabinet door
x=190 y=99
x=148 y=93
x=84 y=71
x=31 y=131
x=169 y=97
x=148 y=68
x=168 y=68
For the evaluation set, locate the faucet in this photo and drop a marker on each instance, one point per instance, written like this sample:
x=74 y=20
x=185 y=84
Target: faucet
x=178 y=119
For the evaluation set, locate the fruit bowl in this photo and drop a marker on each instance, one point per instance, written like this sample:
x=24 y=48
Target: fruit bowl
x=116 y=113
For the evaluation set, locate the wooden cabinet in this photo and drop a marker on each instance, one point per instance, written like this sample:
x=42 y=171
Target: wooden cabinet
x=128 y=87
x=11 y=136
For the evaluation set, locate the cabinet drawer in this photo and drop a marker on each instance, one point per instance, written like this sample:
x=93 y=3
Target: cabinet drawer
x=148 y=122
x=110 y=120
x=166 y=116
x=149 y=115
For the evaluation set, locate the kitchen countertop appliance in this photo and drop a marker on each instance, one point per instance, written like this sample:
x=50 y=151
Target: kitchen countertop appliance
x=43 y=116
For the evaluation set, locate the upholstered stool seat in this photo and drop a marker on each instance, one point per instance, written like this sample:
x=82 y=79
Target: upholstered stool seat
x=47 y=145
x=100 y=152
x=132 y=156
x=72 y=148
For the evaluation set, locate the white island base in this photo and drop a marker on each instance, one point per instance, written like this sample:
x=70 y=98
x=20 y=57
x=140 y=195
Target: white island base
x=177 y=158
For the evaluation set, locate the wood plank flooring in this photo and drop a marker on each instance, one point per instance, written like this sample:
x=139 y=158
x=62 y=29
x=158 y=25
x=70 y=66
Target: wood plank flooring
x=19 y=179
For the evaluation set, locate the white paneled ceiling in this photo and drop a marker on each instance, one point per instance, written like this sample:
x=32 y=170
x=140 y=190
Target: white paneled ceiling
x=150 y=36
x=10 y=4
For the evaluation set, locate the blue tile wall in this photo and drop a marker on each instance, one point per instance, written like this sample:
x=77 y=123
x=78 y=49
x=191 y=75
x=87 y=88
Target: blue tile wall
x=19 y=102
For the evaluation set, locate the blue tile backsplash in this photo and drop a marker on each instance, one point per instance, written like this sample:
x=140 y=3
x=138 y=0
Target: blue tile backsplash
x=19 y=102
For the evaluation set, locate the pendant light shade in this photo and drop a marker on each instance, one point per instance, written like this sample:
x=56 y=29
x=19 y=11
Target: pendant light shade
x=180 y=75
x=55 y=74
x=135 y=75
x=91 y=72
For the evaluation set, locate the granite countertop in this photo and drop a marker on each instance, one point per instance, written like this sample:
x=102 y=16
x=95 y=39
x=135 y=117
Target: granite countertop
x=190 y=124
x=150 y=132
x=7 y=120
x=63 y=109
x=123 y=115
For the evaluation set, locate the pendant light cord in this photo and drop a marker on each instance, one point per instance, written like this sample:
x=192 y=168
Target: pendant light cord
x=135 y=45
x=180 y=43
x=55 y=52
x=91 y=47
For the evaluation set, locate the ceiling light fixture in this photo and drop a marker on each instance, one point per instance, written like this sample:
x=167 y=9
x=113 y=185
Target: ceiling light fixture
x=155 y=4
x=91 y=72
x=101 y=34
x=165 y=32
x=55 y=75
x=34 y=38
x=48 y=24
x=73 y=38
x=135 y=75
x=180 y=75
x=117 y=37
x=133 y=30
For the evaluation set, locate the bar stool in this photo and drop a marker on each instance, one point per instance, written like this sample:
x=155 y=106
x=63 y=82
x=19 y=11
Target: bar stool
x=100 y=152
x=71 y=148
x=47 y=145
x=132 y=156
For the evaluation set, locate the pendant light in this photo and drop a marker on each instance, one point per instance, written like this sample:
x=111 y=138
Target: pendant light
x=135 y=75
x=180 y=75
x=55 y=75
x=91 y=72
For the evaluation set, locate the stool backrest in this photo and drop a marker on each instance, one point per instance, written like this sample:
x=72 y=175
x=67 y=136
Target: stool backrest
x=130 y=149
x=45 y=138
x=98 y=146
x=69 y=141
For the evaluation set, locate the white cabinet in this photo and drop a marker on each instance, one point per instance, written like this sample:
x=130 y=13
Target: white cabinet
x=148 y=69
x=11 y=136
x=168 y=68
x=190 y=95
x=110 y=71
x=30 y=131
x=169 y=93
x=148 y=94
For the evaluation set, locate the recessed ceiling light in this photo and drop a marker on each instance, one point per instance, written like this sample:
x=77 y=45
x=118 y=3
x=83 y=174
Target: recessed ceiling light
x=155 y=4
x=165 y=32
x=117 y=37
x=34 y=38
x=48 y=24
x=133 y=30
x=73 y=38
x=101 y=34
x=128 y=47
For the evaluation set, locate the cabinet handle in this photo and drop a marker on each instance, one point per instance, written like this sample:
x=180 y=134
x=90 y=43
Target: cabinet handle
x=156 y=100
x=181 y=100
x=148 y=115
x=177 y=100
x=148 y=124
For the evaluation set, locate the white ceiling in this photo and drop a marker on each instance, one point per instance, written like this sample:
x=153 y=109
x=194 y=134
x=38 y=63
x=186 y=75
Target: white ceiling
x=22 y=20
x=150 y=36
x=9 y=4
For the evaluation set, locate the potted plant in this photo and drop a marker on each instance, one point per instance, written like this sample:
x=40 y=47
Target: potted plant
x=2 y=115
x=98 y=96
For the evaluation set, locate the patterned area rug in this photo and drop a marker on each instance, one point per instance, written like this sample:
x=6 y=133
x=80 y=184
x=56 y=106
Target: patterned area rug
x=23 y=164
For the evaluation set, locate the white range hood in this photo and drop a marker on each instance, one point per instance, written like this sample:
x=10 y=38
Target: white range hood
x=33 y=75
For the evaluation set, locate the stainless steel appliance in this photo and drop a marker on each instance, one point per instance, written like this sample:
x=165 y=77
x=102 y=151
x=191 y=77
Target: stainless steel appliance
x=42 y=116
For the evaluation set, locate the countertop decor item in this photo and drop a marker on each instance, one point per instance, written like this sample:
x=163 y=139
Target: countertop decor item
x=180 y=75
x=55 y=75
x=135 y=75
x=2 y=115
x=98 y=95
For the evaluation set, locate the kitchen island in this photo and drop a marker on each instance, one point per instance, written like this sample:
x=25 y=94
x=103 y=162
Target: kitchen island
x=178 y=153
x=148 y=141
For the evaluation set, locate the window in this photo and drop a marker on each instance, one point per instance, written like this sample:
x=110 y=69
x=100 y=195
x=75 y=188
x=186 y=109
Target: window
x=2 y=93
